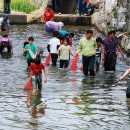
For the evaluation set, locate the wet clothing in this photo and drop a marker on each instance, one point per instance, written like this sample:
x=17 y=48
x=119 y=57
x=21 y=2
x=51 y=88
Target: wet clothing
x=48 y=14
x=64 y=63
x=110 y=54
x=88 y=65
x=7 y=6
x=5 y=42
x=54 y=58
x=37 y=75
x=110 y=61
x=88 y=49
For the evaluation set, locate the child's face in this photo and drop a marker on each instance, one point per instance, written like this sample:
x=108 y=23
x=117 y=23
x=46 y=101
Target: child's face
x=30 y=42
x=98 y=44
x=65 y=43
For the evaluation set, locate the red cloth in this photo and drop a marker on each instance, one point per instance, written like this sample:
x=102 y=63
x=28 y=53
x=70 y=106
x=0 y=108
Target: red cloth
x=88 y=1
x=37 y=69
x=69 y=43
x=48 y=15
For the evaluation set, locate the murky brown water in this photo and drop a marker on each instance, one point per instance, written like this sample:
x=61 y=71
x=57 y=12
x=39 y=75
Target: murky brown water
x=73 y=102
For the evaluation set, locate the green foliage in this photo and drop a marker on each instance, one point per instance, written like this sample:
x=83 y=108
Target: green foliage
x=23 y=5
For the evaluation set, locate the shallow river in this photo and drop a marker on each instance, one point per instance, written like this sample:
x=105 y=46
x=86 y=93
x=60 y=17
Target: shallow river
x=73 y=102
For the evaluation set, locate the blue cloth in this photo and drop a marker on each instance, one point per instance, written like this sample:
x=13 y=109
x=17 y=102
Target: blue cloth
x=63 y=32
x=110 y=46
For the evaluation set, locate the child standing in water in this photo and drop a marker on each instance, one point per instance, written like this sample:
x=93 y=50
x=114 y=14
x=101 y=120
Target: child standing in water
x=31 y=47
x=98 y=53
x=64 y=51
x=36 y=68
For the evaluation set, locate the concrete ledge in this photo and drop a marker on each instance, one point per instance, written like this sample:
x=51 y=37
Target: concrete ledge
x=16 y=18
x=70 y=19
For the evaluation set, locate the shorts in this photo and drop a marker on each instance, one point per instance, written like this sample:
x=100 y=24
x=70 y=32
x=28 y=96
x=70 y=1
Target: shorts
x=37 y=82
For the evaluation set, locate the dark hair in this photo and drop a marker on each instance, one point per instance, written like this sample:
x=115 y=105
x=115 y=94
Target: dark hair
x=111 y=32
x=71 y=35
x=5 y=35
x=89 y=32
x=30 y=38
x=67 y=35
x=25 y=43
x=37 y=61
x=66 y=39
x=55 y=34
x=99 y=39
x=49 y=6
x=5 y=18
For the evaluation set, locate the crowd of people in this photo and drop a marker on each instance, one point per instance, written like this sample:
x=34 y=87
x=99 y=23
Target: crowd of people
x=94 y=50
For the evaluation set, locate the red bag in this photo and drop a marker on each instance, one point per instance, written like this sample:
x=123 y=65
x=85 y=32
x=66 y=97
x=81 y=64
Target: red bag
x=28 y=86
x=74 y=63
x=48 y=60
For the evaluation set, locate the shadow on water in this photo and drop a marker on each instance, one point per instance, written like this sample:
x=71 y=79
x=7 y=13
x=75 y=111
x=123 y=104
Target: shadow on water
x=6 y=55
x=36 y=106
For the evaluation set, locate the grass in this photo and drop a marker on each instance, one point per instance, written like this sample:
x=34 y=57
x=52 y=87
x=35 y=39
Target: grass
x=23 y=6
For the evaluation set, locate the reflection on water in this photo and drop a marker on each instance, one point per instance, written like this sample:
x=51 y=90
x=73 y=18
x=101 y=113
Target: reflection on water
x=72 y=101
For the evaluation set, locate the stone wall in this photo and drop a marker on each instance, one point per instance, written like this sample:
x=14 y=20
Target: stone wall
x=40 y=3
x=114 y=14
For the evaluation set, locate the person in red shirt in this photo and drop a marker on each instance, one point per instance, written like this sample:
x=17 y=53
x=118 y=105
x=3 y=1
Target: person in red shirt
x=36 y=68
x=48 y=14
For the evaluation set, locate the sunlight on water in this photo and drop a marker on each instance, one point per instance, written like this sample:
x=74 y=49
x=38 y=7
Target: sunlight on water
x=69 y=101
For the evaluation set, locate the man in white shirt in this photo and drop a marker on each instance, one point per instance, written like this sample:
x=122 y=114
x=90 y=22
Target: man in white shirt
x=53 y=46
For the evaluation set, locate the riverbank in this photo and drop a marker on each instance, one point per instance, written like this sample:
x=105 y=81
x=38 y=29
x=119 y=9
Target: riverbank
x=36 y=17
